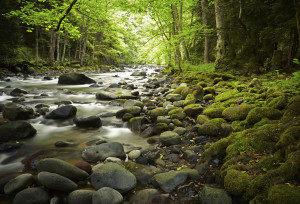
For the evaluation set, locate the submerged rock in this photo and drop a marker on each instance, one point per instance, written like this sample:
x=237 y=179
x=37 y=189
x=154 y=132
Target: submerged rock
x=139 y=73
x=114 y=176
x=74 y=79
x=16 y=130
x=102 y=151
x=63 y=112
x=92 y=121
x=18 y=92
x=106 y=96
x=13 y=111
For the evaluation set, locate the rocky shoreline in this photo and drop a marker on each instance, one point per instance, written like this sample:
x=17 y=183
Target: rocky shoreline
x=207 y=131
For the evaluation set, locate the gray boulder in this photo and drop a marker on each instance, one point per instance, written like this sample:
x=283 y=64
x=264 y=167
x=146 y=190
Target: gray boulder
x=102 y=151
x=74 y=79
x=107 y=195
x=92 y=121
x=19 y=183
x=211 y=195
x=139 y=73
x=144 y=196
x=106 y=96
x=130 y=103
x=169 y=181
x=32 y=195
x=56 y=182
x=114 y=176
x=16 y=130
x=169 y=138
x=13 y=111
x=81 y=197
x=18 y=92
x=63 y=112
x=62 y=168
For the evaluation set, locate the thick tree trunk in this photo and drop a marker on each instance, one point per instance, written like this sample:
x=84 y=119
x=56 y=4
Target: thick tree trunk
x=52 y=46
x=221 y=41
x=297 y=7
x=65 y=46
x=57 y=49
x=183 y=43
x=177 y=54
x=206 y=37
x=82 y=59
x=36 y=47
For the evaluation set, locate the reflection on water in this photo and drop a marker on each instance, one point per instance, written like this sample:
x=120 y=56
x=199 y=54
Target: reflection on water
x=49 y=131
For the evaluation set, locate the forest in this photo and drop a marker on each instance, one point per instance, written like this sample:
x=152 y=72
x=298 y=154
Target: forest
x=255 y=36
x=150 y=101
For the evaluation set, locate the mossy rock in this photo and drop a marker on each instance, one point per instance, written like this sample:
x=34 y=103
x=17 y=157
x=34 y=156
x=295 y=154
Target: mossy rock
x=236 y=182
x=214 y=112
x=134 y=110
x=127 y=117
x=237 y=112
x=163 y=119
x=293 y=110
x=212 y=127
x=234 y=93
x=177 y=122
x=157 y=112
x=217 y=149
x=208 y=97
x=201 y=119
x=202 y=83
x=190 y=99
x=278 y=103
x=289 y=137
x=258 y=113
x=169 y=138
x=193 y=109
x=173 y=97
x=160 y=127
x=177 y=113
x=239 y=125
x=209 y=90
x=227 y=77
x=185 y=92
x=179 y=89
x=281 y=194
x=198 y=91
x=217 y=80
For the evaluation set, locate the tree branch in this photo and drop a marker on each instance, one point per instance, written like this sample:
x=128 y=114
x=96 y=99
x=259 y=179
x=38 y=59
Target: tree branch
x=68 y=11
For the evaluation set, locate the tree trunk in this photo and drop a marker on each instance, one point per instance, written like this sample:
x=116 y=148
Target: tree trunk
x=57 y=49
x=36 y=47
x=177 y=53
x=82 y=59
x=94 y=45
x=297 y=8
x=206 y=37
x=65 y=46
x=221 y=42
x=182 y=41
x=52 y=46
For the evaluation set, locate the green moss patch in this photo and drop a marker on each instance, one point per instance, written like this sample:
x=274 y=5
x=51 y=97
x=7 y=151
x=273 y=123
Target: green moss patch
x=284 y=194
x=237 y=112
x=236 y=182
x=258 y=113
x=214 y=112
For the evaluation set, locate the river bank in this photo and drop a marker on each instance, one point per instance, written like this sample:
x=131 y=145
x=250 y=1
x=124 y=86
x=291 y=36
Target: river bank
x=204 y=132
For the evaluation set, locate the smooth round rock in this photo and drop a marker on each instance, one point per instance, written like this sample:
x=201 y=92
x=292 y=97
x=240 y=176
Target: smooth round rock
x=169 y=181
x=134 y=154
x=16 y=130
x=169 y=138
x=32 y=195
x=14 y=111
x=114 y=176
x=74 y=79
x=56 y=182
x=19 y=183
x=62 y=168
x=80 y=197
x=107 y=195
x=63 y=112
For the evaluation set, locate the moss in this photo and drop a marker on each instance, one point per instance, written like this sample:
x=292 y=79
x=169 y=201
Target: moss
x=264 y=121
x=293 y=110
x=134 y=110
x=209 y=90
x=239 y=125
x=132 y=120
x=198 y=91
x=212 y=127
x=185 y=92
x=217 y=80
x=214 y=112
x=216 y=149
x=157 y=112
x=193 y=109
x=284 y=194
x=177 y=122
x=202 y=83
x=127 y=117
x=289 y=137
x=178 y=90
x=277 y=103
x=177 y=113
x=237 y=112
x=227 y=95
x=160 y=127
x=258 y=113
x=236 y=182
x=208 y=97
x=190 y=99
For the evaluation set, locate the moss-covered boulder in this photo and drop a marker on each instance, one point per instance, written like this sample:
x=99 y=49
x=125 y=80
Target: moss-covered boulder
x=173 y=97
x=237 y=112
x=177 y=113
x=209 y=90
x=289 y=137
x=293 y=110
x=208 y=97
x=278 y=102
x=160 y=127
x=198 y=91
x=201 y=119
x=190 y=99
x=157 y=112
x=169 y=138
x=127 y=116
x=234 y=93
x=186 y=91
x=163 y=119
x=179 y=89
x=193 y=109
x=214 y=112
x=134 y=110
x=217 y=149
x=212 y=127
x=236 y=182
x=283 y=193
x=258 y=113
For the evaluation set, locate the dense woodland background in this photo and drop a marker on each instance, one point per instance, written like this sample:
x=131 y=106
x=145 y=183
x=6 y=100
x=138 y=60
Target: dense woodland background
x=249 y=35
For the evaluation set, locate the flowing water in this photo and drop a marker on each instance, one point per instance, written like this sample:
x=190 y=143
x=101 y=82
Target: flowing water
x=83 y=97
